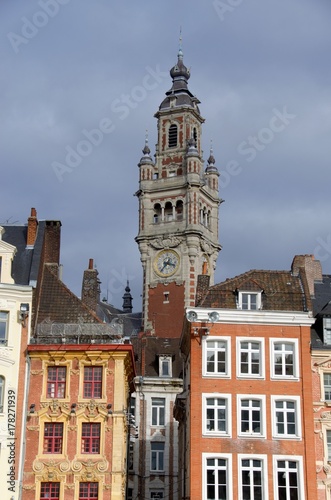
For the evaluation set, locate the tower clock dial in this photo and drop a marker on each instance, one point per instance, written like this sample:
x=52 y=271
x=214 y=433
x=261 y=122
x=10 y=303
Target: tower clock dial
x=166 y=263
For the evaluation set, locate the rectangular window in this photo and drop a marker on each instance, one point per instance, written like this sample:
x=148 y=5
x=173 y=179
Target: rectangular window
x=158 y=411
x=3 y=327
x=284 y=359
x=157 y=457
x=157 y=494
x=90 y=438
x=216 y=477
x=286 y=417
x=251 y=478
x=328 y=444
x=92 y=382
x=88 y=491
x=251 y=415
x=56 y=381
x=216 y=414
x=327 y=386
x=50 y=491
x=53 y=437
x=249 y=301
x=2 y=392
x=216 y=357
x=288 y=479
x=165 y=366
x=327 y=330
x=251 y=357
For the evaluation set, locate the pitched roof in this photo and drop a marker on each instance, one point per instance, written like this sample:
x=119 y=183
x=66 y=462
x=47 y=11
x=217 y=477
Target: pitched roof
x=281 y=291
x=58 y=304
x=27 y=259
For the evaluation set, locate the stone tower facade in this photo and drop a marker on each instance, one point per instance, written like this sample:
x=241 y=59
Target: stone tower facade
x=178 y=210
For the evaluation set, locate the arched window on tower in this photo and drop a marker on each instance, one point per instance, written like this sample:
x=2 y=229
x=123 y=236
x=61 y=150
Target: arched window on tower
x=172 y=136
x=157 y=213
x=179 y=210
x=168 y=212
x=195 y=136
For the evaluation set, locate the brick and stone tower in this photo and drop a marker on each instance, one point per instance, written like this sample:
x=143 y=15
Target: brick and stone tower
x=178 y=210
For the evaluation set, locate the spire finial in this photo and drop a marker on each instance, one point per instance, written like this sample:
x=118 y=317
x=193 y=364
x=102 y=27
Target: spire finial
x=211 y=159
x=180 y=50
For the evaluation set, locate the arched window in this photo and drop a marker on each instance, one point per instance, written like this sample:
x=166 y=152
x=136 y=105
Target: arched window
x=2 y=392
x=179 y=210
x=157 y=213
x=172 y=136
x=168 y=212
x=195 y=136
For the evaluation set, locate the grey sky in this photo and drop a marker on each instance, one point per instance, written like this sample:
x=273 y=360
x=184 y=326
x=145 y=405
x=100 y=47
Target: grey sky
x=261 y=69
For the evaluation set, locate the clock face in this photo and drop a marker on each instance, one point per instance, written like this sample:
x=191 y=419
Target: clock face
x=166 y=263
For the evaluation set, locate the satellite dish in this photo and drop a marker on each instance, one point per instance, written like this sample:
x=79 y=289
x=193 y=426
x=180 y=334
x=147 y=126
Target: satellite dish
x=191 y=316
x=213 y=316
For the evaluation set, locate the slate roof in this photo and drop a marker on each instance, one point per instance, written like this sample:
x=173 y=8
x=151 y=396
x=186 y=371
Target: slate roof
x=26 y=261
x=153 y=347
x=321 y=307
x=281 y=291
x=131 y=321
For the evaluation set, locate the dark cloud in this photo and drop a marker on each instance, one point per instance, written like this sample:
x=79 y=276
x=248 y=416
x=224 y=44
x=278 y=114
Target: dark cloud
x=72 y=73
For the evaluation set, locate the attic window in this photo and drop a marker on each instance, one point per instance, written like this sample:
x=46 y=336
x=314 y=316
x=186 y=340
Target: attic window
x=165 y=366
x=327 y=331
x=172 y=137
x=249 y=301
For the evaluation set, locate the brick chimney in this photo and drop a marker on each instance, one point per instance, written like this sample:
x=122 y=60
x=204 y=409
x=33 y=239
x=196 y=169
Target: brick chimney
x=32 y=228
x=52 y=242
x=311 y=267
x=91 y=287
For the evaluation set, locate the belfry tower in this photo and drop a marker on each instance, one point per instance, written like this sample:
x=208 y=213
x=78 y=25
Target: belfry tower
x=178 y=210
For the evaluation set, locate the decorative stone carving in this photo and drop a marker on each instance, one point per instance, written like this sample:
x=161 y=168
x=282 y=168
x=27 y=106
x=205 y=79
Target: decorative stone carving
x=168 y=242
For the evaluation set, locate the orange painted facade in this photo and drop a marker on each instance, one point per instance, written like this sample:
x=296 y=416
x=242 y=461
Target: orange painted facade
x=66 y=458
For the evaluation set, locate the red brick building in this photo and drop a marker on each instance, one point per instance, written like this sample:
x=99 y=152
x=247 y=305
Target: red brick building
x=246 y=413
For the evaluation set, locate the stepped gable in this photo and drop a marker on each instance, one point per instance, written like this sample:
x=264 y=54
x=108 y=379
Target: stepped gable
x=281 y=291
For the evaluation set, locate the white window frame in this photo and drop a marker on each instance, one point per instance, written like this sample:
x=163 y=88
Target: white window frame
x=168 y=360
x=217 y=456
x=289 y=458
x=4 y=320
x=158 y=454
x=327 y=441
x=250 y=434
x=323 y=374
x=264 y=473
x=207 y=341
x=2 y=393
x=327 y=330
x=297 y=415
x=244 y=293
x=228 y=414
x=251 y=340
x=295 y=344
x=156 y=410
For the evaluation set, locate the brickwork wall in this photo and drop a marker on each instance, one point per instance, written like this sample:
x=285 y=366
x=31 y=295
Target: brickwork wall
x=269 y=446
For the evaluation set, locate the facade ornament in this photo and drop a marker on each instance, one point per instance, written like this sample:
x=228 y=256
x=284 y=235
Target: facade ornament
x=170 y=241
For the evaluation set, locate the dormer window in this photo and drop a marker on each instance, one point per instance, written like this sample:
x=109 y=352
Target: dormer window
x=327 y=331
x=249 y=301
x=165 y=366
x=172 y=136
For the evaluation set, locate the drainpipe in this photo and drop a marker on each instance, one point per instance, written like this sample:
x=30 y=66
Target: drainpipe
x=23 y=433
